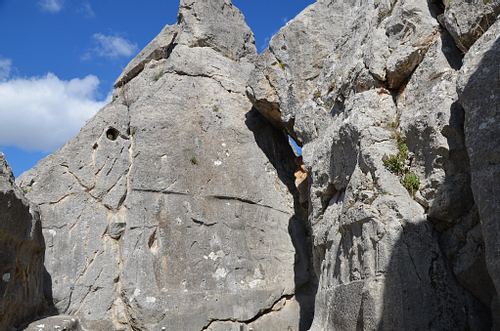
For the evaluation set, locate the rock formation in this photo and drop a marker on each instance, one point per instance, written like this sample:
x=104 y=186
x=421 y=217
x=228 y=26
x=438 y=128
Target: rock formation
x=396 y=232
x=22 y=247
x=179 y=205
x=174 y=206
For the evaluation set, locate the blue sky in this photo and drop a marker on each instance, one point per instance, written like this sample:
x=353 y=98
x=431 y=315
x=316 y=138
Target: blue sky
x=60 y=58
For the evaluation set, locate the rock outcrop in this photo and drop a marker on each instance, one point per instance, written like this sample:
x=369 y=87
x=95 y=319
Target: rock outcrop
x=181 y=205
x=478 y=87
x=174 y=207
x=396 y=233
x=22 y=247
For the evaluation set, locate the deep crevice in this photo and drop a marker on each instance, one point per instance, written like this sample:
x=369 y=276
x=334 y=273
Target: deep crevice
x=274 y=143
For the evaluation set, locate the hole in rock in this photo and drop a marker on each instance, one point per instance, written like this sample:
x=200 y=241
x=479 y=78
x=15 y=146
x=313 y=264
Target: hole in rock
x=112 y=134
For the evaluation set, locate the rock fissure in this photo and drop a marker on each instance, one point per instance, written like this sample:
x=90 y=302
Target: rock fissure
x=259 y=315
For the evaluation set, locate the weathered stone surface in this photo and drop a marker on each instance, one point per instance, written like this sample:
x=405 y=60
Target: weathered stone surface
x=389 y=40
x=56 y=323
x=216 y=24
x=477 y=86
x=379 y=252
x=22 y=251
x=175 y=205
x=178 y=206
x=157 y=49
x=287 y=71
x=468 y=20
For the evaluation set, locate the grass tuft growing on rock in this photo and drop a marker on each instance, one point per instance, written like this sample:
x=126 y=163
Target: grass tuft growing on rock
x=160 y=75
x=399 y=165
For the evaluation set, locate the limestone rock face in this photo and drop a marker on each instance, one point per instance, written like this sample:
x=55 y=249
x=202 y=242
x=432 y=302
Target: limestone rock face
x=478 y=89
x=22 y=247
x=393 y=250
x=468 y=20
x=181 y=205
x=55 y=323
x=287 y=71
x=174 y=207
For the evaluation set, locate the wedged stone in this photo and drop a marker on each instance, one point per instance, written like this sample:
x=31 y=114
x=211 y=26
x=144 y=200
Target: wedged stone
x=22 y=246
x=324 y=52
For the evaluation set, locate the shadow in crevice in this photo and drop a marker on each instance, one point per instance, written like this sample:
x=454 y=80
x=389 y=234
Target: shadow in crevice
x=274 y=144
x=421 y=291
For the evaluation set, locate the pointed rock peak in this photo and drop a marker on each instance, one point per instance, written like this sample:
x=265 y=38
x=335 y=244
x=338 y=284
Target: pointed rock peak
x=217 y=24
x=5 y=170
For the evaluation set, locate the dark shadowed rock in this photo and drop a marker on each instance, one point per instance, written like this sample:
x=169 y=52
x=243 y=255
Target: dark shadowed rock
x=478 y=88
x=22 y=253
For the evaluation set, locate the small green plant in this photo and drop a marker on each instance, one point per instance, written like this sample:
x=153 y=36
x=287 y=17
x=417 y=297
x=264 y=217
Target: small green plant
x=411 y=182
x=316 y=95
x=215 y=109
x=402 y=148
x=134 y=130
x=448 y=5
x=395 y=163
x=193 y=160
x=160 y=75
x=331 y=86
x=393 y=125
x=282 y=66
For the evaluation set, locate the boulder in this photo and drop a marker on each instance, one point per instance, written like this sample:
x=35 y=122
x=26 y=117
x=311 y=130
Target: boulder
x=22 y=247
x=468 y=20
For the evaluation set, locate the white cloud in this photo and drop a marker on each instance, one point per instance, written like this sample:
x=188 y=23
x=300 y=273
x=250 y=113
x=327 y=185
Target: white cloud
x=52 y=6
x=42 y=113
x=5 y=66
x=111 y=46
x=86 y=9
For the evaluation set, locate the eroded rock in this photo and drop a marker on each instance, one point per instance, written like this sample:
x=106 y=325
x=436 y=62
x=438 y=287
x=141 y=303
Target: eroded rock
x=477 y=87
x=174 y=206
x=22 y=247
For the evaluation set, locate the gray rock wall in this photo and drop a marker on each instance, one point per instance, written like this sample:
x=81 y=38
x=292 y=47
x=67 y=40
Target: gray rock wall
x=478 y=87
x=22 y=254
x=174 y=207
x=389 y=255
